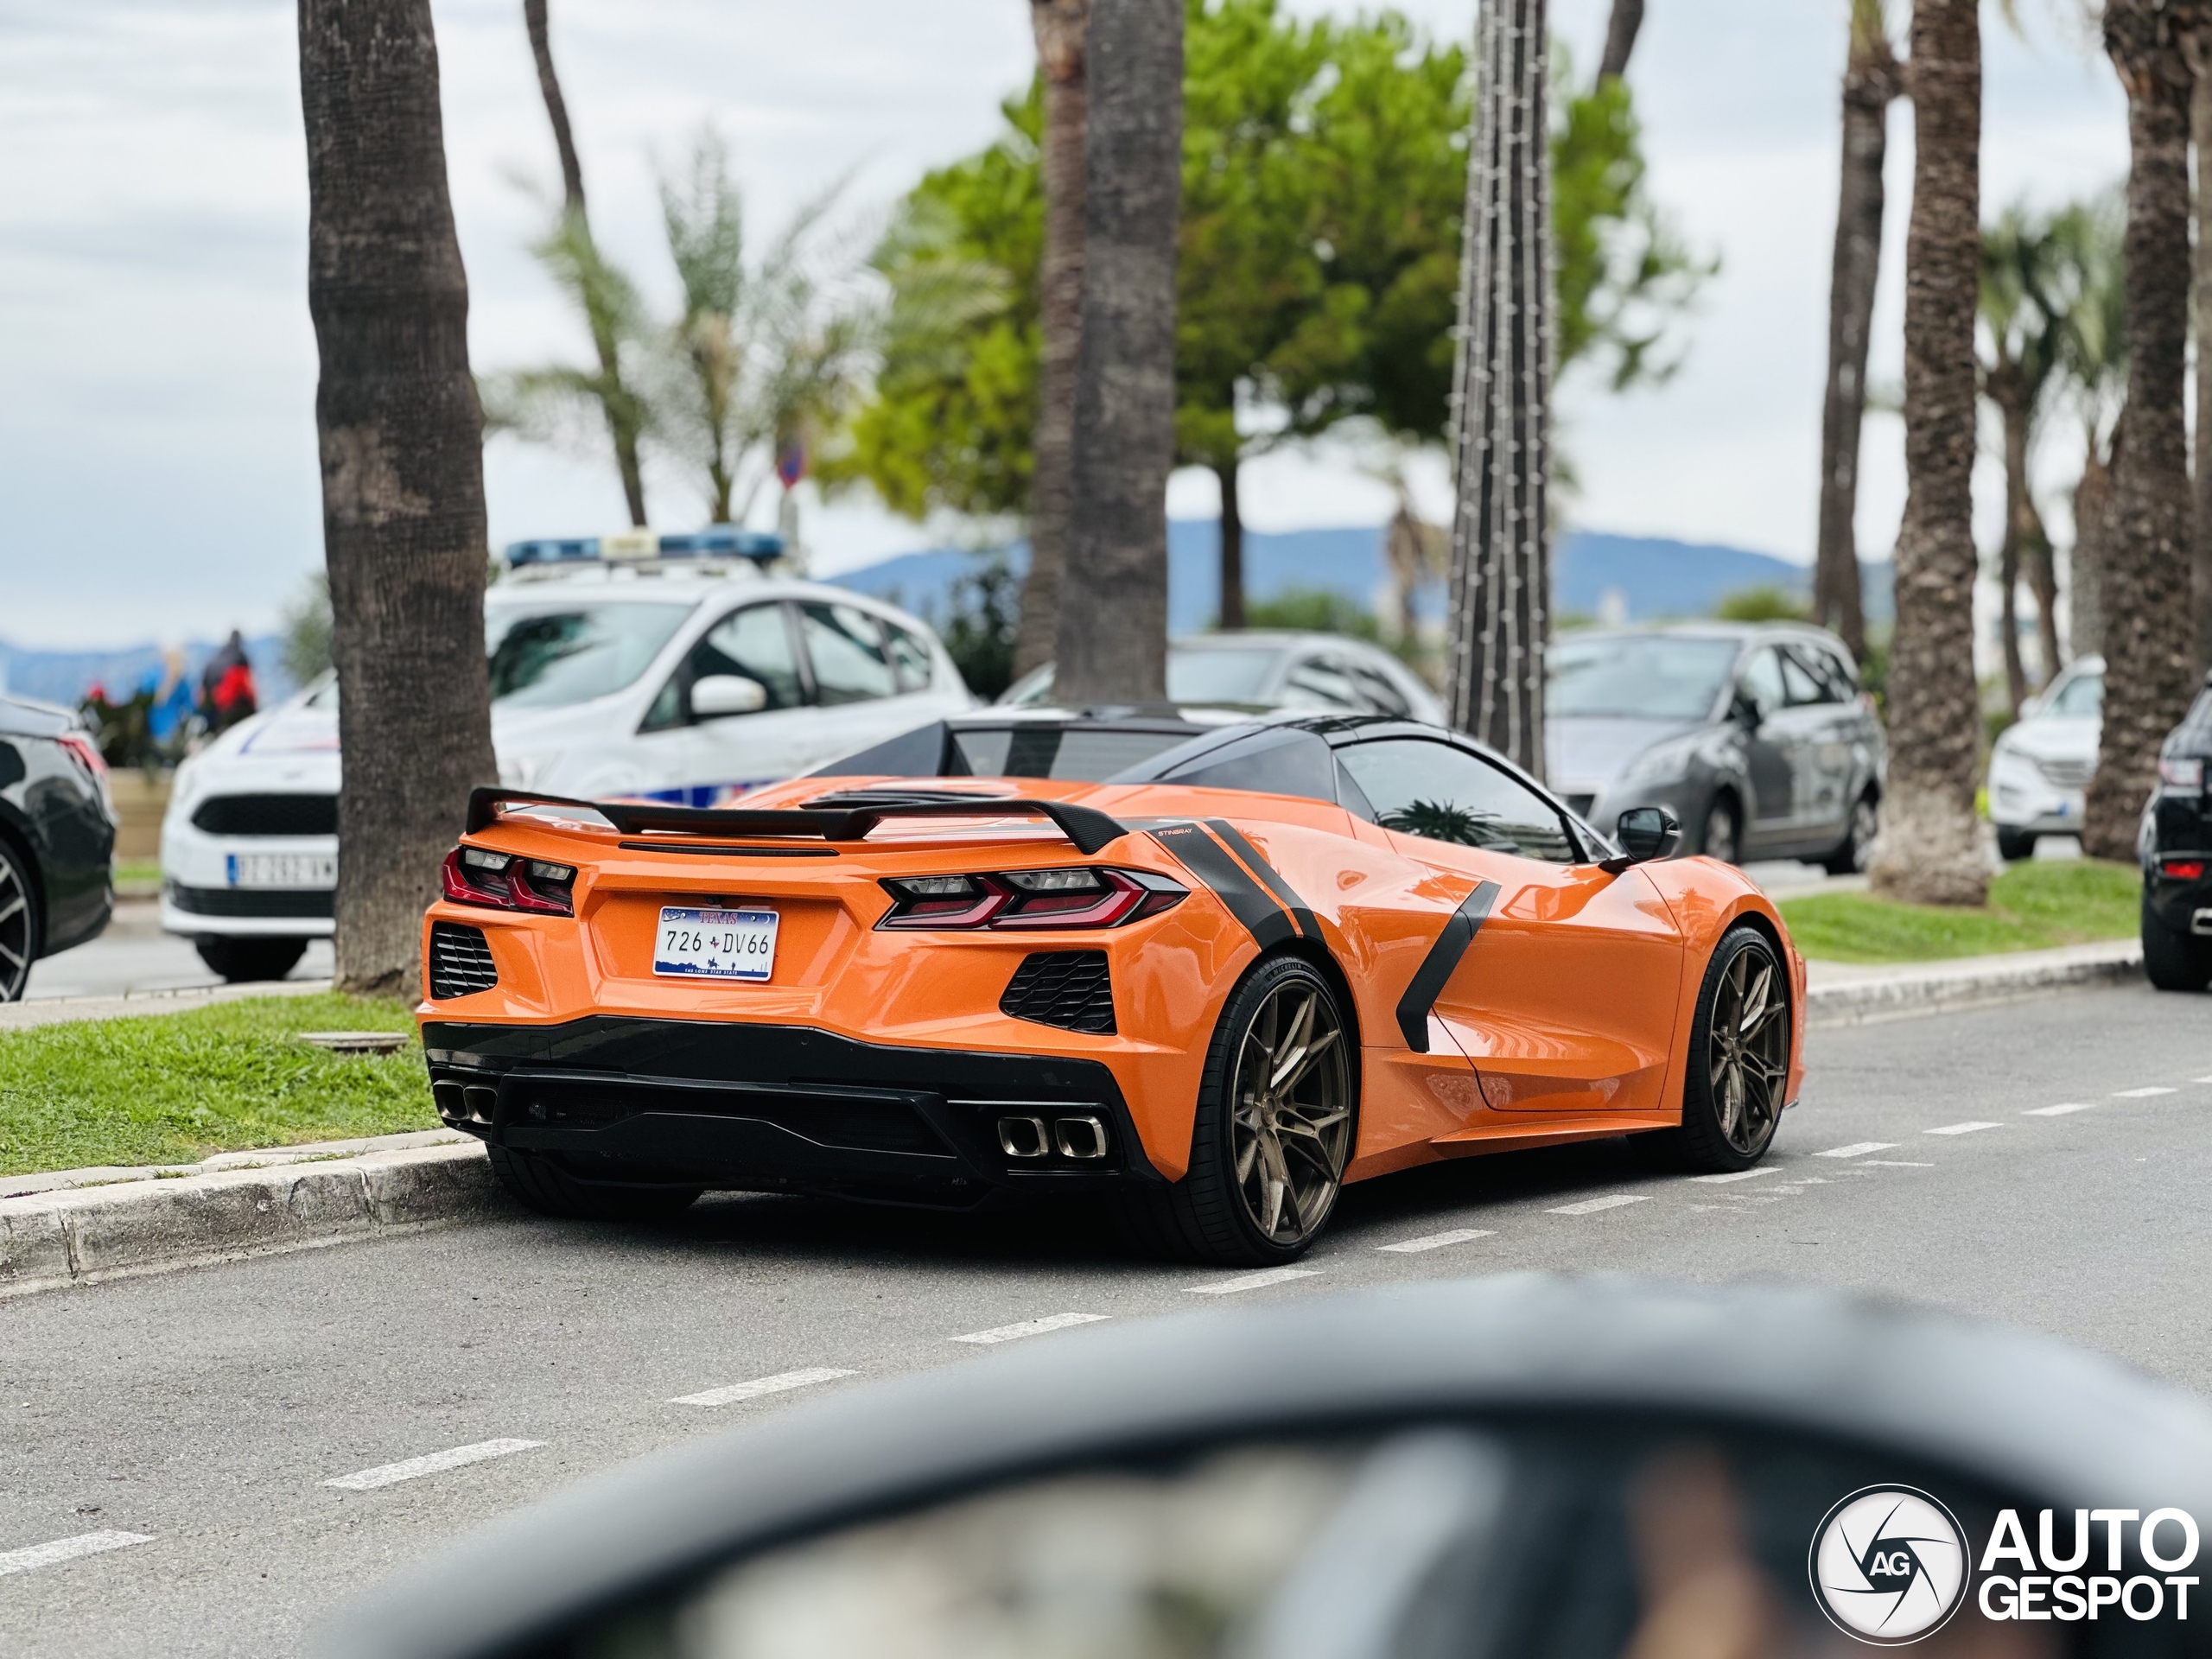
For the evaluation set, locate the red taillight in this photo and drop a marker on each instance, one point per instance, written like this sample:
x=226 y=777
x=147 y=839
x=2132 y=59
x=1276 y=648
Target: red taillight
x=1084 y=896
x=476 y=876
x=86 y=754
x=2184 y=869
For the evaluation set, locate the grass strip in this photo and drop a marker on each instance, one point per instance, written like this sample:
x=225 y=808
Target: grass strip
x=174 y=1087
x=2034 y=906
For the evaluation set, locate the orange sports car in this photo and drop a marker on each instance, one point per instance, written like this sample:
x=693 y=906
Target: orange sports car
x=1212 y=972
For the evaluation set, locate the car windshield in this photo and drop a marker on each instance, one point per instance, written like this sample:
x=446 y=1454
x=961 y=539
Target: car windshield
x=1040 y=750
x=2082 y=697
x=549 y=659
x=1647 y=677
x=1217 y=673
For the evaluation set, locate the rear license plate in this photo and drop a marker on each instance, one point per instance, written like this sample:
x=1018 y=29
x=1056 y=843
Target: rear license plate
x=715 y=943
x=282 y=869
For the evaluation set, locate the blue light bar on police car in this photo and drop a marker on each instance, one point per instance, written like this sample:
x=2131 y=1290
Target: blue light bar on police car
x=715 y=541
x=553 y=552
x=725 y=541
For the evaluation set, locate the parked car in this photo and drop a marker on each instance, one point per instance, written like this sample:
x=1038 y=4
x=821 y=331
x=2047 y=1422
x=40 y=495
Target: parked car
x=2040 y=765
x=2175 y=845
x=1495 y=1468
x=1256 y=670
x=673 y=679
x=57 y=838
x=1755 y=735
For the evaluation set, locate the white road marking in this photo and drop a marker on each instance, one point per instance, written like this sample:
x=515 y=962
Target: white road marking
x=1893 y=1163
x=1963 y=1128
x=67 y=1549
x=1592 y=1206
x=1438 y=1241
x=2141 y=1094
x=1856 y=1149
x=1031 y=1328
x=779 y=1383
x=2060 y=1109
x=1259 y=1281
x=390 y=1474
x=2200 y=1079
x=1732 y=1175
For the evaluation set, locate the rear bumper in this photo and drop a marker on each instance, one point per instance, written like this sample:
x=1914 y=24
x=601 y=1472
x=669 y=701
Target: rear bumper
x=762 y=1108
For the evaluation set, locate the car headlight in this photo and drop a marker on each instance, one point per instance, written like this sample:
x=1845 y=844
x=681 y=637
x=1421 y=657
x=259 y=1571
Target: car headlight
x=1661 y=762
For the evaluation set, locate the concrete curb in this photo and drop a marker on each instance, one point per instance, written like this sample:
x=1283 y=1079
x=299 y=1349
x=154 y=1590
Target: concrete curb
x=1855 y=996
x=88 y=1234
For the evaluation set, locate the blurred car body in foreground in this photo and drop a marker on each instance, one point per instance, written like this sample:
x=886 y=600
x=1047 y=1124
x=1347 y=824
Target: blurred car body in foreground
x=1755 y=735
x=1581 y=1469
x=1265 y=669
x=57 y=838
x=2040 y=765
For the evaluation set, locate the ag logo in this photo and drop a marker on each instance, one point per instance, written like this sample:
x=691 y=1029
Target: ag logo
x=1889 y=1565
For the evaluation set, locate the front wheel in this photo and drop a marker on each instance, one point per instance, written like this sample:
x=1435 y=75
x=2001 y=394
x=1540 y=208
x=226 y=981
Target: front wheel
x=1738 y=1070
x=2172 y=960
x=237 y=961
x=1273 y=1131
x=2014 y=845
x=537 y=1183
x=1856 y=847
x=1723 y=837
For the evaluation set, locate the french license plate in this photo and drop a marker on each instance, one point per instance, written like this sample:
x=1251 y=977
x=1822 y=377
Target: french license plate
x=715 y=943
x=282 y=869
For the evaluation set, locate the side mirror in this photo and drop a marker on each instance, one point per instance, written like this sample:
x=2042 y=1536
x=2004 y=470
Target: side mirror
x=1644 y=833
x=718 y=695
x=1745 y=710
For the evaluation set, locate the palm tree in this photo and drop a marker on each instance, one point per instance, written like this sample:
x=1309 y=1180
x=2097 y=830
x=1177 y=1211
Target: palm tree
x=598 y=292
x=402 y=443
x=1872 y=78
x=1060 y=27
x=1501 y=398
x=2087 y=282
x=1620 y=38
x=1930 y=849
x=2023 y=328
x=2200 y=129
x=1112 y=644
x=2151 y=640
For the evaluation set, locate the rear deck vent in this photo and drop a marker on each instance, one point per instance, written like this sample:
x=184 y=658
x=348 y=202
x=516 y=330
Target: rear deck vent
x=1067 y=988
x=461 y=961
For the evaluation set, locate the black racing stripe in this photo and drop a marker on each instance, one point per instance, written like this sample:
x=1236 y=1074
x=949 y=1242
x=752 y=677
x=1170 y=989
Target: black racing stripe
x=1270 y=878
x=1435 y=971
x=1201 y=854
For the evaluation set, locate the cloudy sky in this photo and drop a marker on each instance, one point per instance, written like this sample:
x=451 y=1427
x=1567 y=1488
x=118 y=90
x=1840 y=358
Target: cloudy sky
x=158 y=474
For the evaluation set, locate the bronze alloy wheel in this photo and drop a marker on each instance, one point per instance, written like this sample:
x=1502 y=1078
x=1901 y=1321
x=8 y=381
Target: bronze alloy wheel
x=1747 y=1043
x=1290 y=1125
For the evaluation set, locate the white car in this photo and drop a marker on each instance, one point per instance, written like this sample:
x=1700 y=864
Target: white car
x=1269 y=669
x=679 y=680
x=2040 y=765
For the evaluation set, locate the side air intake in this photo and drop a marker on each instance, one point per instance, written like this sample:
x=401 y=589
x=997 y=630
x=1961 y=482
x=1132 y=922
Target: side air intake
x=1067 y=988
x=461 y=961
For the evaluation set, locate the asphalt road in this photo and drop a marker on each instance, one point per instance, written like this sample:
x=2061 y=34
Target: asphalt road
x=134 y=957
x=206 y=1411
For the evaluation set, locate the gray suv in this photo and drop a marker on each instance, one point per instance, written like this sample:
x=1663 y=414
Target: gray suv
x=1756 y=735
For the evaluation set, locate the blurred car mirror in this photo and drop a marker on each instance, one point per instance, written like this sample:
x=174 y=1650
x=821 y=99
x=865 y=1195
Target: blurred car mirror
x=1746 y=711
x=1644 y=833
x=717 y=695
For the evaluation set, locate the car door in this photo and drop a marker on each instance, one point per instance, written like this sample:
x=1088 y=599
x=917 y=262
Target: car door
x=1565 y=999
x=698 y=761
x=856 y=680
x=1823 y=720
x=1760 y=703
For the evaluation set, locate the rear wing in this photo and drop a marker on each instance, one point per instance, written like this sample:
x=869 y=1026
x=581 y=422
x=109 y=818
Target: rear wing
x=1091 y=831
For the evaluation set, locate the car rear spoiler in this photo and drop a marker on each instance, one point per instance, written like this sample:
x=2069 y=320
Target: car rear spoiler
x=1091 y=831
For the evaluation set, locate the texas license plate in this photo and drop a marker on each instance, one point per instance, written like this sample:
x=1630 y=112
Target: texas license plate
x=715 y=943
x=282 y=869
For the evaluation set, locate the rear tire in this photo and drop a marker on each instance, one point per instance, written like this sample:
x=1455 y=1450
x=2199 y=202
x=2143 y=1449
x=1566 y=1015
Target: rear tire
x=2014 y=845
x=1267 y=1158
x=19 y=928
x=537 y=1183
x=240 y=960
x=1738 y=1065
x=1857 y=849
x=1722 y=837
x=2173 y=961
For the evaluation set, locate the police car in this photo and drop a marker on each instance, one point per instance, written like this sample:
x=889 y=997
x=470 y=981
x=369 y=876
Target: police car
x=677 y=667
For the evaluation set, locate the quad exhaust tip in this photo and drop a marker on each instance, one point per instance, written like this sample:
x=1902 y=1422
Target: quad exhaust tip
x=1081 y=1139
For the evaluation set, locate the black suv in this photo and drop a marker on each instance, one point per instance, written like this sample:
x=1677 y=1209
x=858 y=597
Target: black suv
x=57 y=838
x=2175 y=845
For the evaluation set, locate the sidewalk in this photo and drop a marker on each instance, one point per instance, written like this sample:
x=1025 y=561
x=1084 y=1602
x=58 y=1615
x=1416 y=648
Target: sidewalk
x=55 y=1010
x=1849 y=994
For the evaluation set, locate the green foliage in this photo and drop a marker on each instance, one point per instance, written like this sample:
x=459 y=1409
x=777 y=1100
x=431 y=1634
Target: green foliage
x=306 y=627
x=2086 y=279
x=2033 y=906
x=1763 y=603
x=175 y=1087
x=982 y=613
x=1313 y=610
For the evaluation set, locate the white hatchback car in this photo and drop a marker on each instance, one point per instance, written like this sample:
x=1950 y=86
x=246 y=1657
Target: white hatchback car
x=678 y=680
x=2040 y=765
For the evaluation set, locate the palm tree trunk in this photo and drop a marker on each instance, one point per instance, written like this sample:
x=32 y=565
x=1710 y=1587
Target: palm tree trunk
x=2200 y=122
x=2042 y=573
x=1060 y=27
x=401 y=442
x=621 y=428
x=1113 y=625
x=1620 y=37
x=1871 y=80
x=1930 y=849
x=1501 y=563
x=1232 y=545
x=2150 y=639
x=2014 y=413
x=2093 y=529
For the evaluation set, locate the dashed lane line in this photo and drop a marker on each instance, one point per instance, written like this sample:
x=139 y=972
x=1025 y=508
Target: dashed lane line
x=1030 y=1328
x=782 y=1382
x=1438 y=1241
x=1893 y=1163
x=433 y=1463
x=2060 y=1109
x=2142 y=1093
x=1732 y=1175
x=1967 y=1127
x=1592 y=1206
x=1856 y=1149
x=67 y=1549
x=1259 y=1281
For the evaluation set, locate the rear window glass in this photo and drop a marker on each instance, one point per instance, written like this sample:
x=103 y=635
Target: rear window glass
x=1046 y=751
x=1273 y=763
x=1217 y=673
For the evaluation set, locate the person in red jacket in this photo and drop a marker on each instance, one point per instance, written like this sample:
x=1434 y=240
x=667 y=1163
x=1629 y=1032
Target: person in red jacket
x=227 y=685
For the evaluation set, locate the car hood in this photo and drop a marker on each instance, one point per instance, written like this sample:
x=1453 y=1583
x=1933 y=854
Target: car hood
x=2054 y=738
x=1591 y=750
